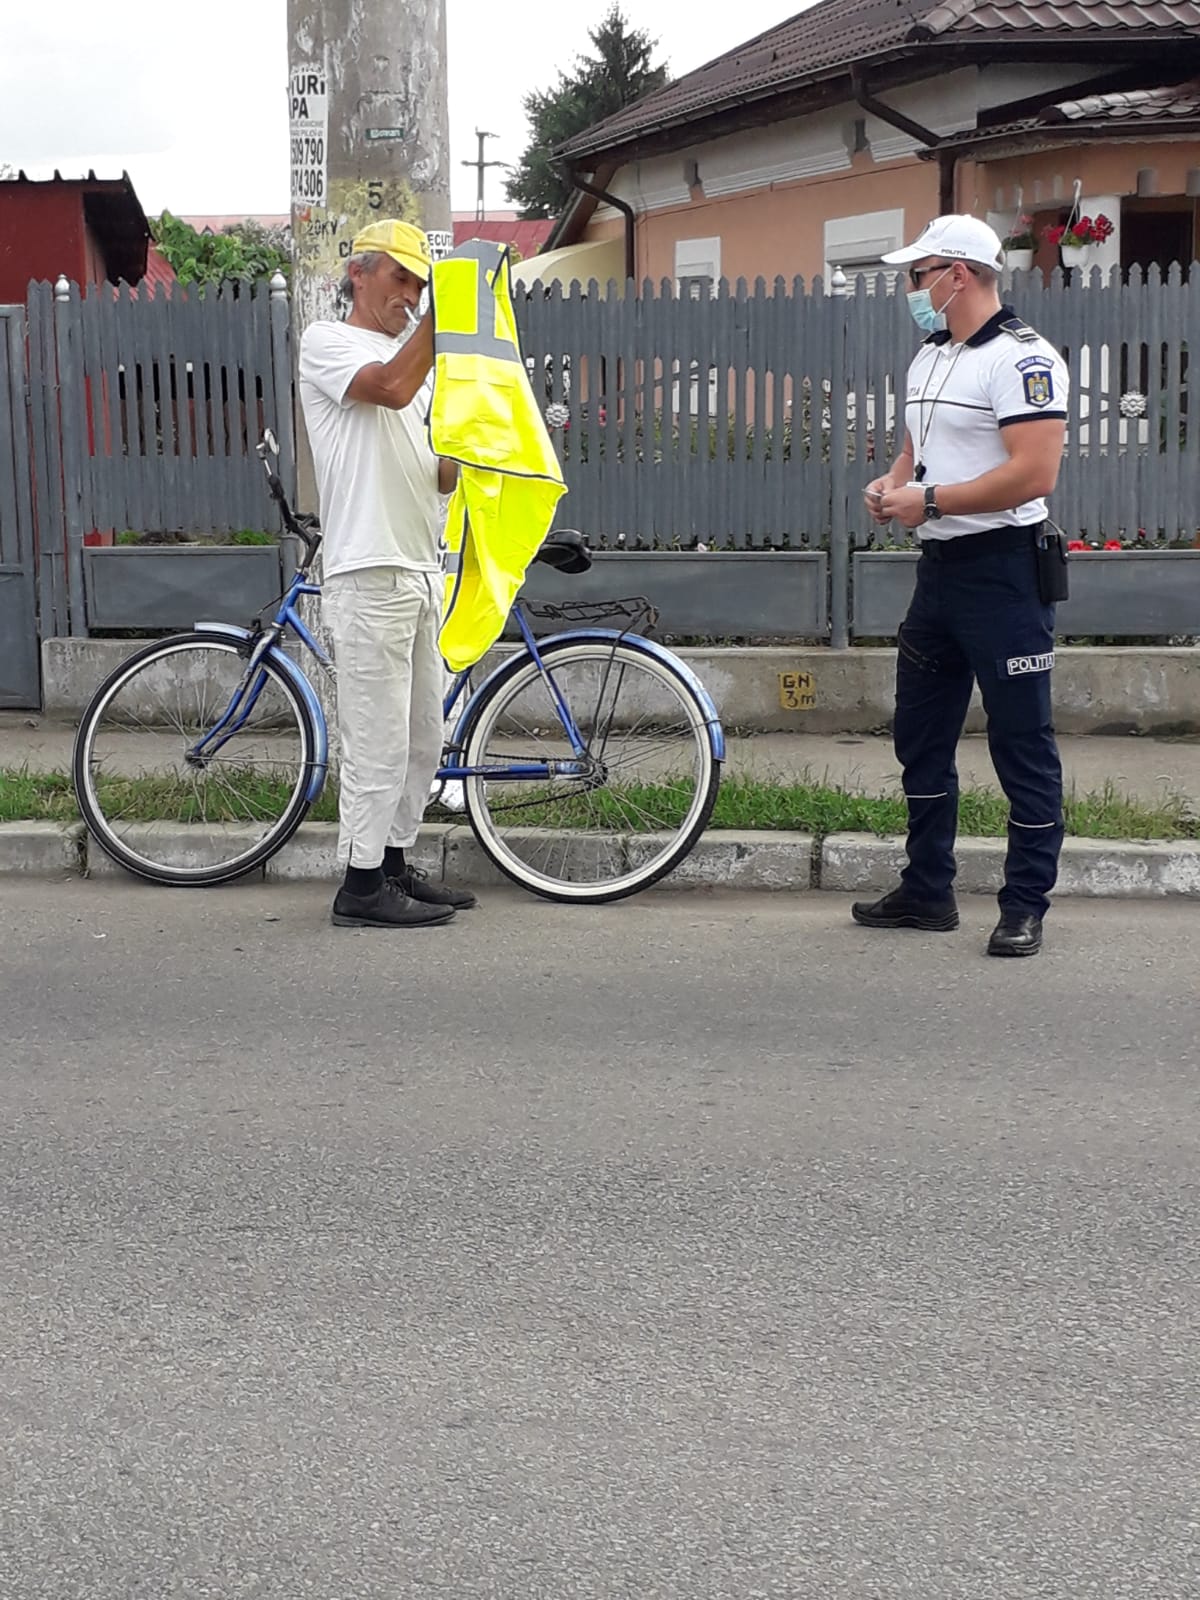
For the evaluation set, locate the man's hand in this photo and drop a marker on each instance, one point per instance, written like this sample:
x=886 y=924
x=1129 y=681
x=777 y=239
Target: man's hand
x=906 y=504
x=873 y=496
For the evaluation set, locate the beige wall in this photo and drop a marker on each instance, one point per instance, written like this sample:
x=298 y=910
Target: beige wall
x=780 y=230
x=1049 y=177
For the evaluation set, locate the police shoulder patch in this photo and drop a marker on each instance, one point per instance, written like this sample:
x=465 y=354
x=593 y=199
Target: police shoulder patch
x=1038 y=384
x=1017 y=328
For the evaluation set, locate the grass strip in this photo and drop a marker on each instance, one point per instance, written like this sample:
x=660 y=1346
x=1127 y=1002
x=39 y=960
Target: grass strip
x=742 y=802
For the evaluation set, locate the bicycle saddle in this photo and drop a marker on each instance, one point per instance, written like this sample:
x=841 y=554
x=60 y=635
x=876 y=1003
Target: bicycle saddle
x=565 y=550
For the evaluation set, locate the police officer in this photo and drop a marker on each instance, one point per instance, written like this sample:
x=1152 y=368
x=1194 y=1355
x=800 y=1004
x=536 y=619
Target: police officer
x=986 y=422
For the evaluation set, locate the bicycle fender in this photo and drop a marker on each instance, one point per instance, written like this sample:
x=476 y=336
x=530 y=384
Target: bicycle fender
x=650 y=647
x=288 y=668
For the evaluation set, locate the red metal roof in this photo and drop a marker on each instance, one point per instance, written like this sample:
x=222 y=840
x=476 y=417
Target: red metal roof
x=160 y=274
x=211 y=224
x=527 y=238
x=827 y=40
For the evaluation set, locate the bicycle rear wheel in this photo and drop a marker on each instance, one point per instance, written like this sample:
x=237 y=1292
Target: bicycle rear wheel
x=648 y=787
x=173 y=818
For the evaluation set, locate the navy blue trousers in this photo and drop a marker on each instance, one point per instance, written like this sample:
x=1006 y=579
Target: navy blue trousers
x=979 y=620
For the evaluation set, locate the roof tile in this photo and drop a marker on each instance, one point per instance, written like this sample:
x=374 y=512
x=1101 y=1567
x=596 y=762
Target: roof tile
x=836 y=34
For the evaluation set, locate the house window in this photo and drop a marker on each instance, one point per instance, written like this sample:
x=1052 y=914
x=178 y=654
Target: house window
x=1159 y=233
x=858 y=245
x=697 y=266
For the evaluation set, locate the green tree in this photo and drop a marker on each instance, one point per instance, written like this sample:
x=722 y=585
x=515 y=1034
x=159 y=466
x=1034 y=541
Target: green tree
x=245 y=251
x=617 y=72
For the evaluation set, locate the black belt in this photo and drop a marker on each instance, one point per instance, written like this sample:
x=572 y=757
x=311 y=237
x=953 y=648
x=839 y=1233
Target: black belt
x=991 y=542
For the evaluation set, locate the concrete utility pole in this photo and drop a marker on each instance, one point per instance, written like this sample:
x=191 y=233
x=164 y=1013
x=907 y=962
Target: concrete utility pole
x=369 y=121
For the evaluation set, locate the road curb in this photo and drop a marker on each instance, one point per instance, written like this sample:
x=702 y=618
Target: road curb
x=844 y=863
x=42 y=849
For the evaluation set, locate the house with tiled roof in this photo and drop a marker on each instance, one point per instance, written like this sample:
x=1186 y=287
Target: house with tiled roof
x=832 y=137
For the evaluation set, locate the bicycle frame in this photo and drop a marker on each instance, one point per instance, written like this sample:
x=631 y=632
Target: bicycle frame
x=266 y=646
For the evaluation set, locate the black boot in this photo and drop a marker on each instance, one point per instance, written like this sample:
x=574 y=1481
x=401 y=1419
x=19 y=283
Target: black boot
x=1018 y=933
x=900 y=910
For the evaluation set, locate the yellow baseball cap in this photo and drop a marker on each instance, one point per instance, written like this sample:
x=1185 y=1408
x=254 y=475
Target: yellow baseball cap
x=401 y=241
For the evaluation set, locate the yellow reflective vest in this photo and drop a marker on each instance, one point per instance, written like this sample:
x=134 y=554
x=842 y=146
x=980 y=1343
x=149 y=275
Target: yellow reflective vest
x=484 y=416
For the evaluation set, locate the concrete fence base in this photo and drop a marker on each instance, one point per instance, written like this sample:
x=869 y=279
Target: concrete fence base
x=812 y=690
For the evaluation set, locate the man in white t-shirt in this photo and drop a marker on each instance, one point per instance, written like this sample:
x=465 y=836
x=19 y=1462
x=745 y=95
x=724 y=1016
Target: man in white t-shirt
x=364 y=387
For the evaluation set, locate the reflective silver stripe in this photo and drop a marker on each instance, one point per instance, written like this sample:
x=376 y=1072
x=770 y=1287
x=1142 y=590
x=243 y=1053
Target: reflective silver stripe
x=485 y=250
x=483 y=342
x=1013 y=823
x=940 y=796
x=451 y=561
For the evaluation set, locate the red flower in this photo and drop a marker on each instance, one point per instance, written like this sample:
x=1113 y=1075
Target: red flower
x=1076 y=544
x=1113 y=544
x=1084 y=230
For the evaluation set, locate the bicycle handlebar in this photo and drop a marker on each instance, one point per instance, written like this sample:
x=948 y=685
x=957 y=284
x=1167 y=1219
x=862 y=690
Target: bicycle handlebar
x=310 y=541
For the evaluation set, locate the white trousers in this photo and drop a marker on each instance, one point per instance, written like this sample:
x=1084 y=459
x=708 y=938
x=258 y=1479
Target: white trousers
x=385 y=623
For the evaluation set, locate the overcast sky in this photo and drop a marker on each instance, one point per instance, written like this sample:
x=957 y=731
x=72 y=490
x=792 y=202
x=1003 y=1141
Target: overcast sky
x=191 y=99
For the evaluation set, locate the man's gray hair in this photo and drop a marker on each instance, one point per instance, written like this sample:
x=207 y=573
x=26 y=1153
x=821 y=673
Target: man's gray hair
x=368 y=260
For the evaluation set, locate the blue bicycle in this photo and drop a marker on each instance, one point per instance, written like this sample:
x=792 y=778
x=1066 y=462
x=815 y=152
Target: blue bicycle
x=589 y=759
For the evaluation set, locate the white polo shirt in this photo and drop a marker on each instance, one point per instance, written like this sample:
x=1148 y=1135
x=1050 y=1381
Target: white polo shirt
x=960 y=399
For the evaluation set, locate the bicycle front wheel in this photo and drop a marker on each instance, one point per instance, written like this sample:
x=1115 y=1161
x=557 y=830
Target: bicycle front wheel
x=168 y=813
x=634 y=805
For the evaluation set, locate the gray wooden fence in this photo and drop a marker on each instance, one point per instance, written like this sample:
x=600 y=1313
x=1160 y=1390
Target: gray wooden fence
x=160 y=402
x=742 y=419
x=753 y=416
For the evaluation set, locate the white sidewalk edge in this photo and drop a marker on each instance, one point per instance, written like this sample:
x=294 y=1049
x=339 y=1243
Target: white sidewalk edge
x=846 y=863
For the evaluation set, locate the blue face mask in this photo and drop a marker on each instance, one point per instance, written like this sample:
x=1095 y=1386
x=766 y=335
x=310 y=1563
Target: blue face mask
x=920 y=303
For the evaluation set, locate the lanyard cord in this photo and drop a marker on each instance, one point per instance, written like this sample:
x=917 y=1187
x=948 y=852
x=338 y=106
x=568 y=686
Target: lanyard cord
x=929 y=407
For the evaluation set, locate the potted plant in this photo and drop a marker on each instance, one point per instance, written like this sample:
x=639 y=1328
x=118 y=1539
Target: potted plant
x=1020 y=244
x=1075 y=238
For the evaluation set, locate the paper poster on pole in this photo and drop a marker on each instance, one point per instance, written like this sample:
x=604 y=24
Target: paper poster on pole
x=308 y=118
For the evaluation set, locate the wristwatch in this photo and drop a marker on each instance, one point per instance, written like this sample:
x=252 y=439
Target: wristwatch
x=932 y=509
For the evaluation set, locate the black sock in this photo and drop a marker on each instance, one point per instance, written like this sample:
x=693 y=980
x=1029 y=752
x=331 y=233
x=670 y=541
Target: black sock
x=394 y=864
x=363 y=881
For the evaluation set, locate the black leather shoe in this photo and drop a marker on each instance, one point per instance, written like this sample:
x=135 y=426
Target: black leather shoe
x=900 y=910
x=413 y=882
x=1016 y=934
x=388 y=907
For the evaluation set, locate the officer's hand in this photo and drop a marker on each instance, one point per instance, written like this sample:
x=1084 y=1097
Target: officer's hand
x=873 y=497
x=906 y=504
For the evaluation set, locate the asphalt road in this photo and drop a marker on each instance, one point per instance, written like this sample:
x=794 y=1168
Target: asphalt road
x=696 y=1247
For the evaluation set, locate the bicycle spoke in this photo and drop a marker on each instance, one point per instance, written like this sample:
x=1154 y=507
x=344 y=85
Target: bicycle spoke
x=648 y=775
x=136 y=739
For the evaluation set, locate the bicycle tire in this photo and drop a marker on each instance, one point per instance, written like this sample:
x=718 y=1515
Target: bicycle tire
x=130 y=851
x=518 y=678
